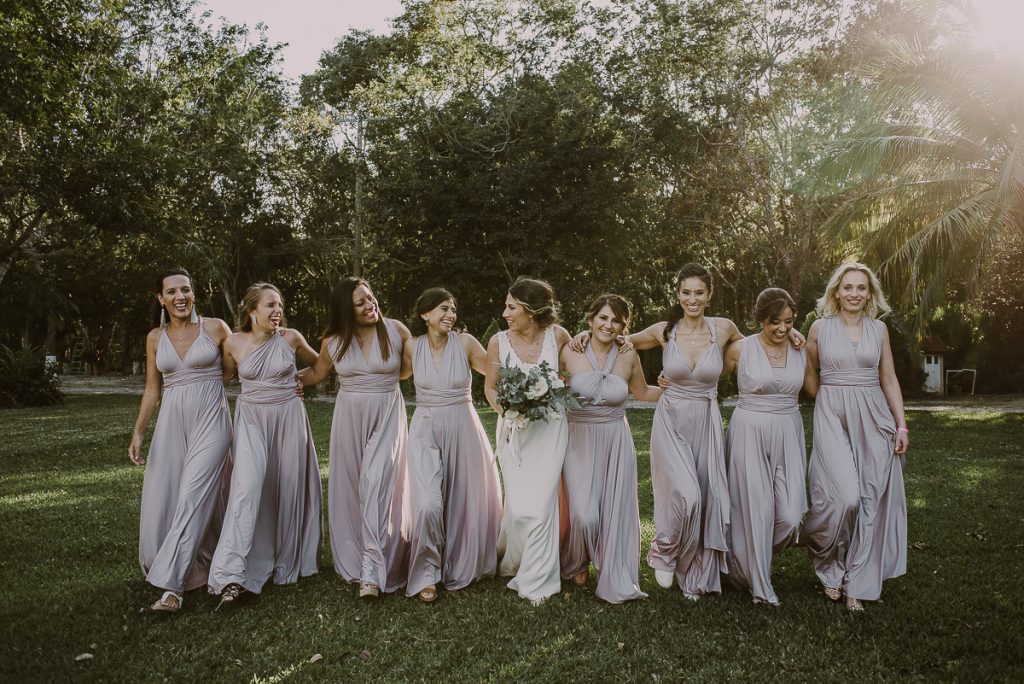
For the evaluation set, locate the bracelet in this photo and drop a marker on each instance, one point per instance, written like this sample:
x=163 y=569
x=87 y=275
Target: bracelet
x=903 y=429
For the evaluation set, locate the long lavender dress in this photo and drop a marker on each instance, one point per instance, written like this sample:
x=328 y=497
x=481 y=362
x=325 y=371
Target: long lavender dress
x=856 y=530
x=454 y=491
x=531 y=468
x=367 y=468
x=185 y=471
x=272 y=528
x=691 y=498
x=600 y=480
x=766 y=454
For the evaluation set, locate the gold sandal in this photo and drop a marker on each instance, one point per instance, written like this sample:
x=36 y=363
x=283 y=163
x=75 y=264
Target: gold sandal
x=428 y=594
x=368 y=590
x=170 y=602
x=833 y=593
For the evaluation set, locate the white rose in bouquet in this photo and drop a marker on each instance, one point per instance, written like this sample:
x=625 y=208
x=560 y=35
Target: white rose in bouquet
x=538 y=388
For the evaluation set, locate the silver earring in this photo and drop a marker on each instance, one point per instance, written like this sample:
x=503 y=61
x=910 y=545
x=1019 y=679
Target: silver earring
x=252 y=317
x=195 y=316
x=163 y=317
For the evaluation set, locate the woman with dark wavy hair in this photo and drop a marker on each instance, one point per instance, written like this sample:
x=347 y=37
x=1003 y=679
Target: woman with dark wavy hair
x=530 y=455
x=181 y=491
x=368 y=439
x=454 y=491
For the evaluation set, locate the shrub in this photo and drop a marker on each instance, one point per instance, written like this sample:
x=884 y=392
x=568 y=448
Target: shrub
x=26 y=379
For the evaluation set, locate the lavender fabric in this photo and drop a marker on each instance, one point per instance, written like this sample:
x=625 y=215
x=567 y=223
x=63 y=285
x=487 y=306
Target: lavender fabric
x=454 y=491
x=856 y=530
x=600 y=480
x=186 y=471
x=366 y=488
x=691 y=499
x=272 y=528
x=766 y=456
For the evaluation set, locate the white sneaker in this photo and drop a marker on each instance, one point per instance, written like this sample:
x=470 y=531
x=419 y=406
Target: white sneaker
x=664 y=578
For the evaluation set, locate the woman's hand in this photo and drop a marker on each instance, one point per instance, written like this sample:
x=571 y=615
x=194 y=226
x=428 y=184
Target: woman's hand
x=135 y=450
x=663 y=382
x=625 y=344
x=796 y=339
x=902 y=442
x=579 y=343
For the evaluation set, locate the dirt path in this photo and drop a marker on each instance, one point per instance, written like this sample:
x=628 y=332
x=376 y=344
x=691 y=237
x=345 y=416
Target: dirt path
x=134 y=384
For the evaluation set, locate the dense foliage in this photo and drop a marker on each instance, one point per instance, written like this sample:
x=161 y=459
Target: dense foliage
x=598 y=146
x=26 y=379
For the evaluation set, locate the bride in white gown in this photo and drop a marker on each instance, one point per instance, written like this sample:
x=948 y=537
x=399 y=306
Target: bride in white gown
x=531 y=456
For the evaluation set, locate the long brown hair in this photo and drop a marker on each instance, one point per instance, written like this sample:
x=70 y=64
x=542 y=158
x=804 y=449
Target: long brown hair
x=341 y=318
x=675 y=312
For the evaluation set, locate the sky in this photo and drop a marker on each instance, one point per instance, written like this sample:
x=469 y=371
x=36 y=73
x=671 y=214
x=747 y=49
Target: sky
x=308 y=26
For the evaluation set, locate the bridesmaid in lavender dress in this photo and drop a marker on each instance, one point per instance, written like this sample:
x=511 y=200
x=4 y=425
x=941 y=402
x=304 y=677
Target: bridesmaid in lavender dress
x=272 y=528
x=531 y=455
x=856 y=529
x=368 y=528
x=600 y=460
x=181 y=499
x=454 y=491
x=765 y=445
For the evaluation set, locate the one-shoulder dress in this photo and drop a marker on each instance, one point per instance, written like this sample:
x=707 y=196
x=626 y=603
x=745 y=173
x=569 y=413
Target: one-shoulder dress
x=273 y=527
x=454 y=490
x=691 y=497
x=187 y=467
x=766 y=456
x=369 y=535
x=531 y=467
x=600 y=480
x=856 y=530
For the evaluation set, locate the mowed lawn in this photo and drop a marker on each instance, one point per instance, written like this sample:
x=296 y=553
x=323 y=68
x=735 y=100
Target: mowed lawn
x=71 y=586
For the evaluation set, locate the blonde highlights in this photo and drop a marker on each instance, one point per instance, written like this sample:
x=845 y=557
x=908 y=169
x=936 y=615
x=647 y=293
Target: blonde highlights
x=876 y=306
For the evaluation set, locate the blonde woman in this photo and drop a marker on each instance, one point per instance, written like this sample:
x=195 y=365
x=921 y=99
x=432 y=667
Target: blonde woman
x=856 y=529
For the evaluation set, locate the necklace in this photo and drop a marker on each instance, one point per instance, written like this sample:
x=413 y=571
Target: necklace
x=774 y=356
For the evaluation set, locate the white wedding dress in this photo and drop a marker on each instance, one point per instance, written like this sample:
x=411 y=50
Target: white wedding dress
x=531 y=468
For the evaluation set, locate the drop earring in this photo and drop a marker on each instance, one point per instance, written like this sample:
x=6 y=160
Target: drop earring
x=252 y=317
x=163 y=317
x=195 y=316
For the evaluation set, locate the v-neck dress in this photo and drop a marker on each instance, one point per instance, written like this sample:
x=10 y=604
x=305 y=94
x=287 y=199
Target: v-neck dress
x=368 y=530
x=600 y=481
x=454 y=490
x=187 y=468
x=766 y=456
x=273 y=526
x=691 y=497
x=531 y=468
x=856 y=530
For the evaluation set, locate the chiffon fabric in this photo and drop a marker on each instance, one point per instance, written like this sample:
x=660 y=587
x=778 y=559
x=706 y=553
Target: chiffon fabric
x=531 y=466
x=691 y=498
x=366 y=488
x=272 y=528
x=856 y=530
x=187 y=467
x=454 y=491
x=600 y=480
x=766 y=456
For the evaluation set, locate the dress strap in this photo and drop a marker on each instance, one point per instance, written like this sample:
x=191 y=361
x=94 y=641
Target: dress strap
x=713 y=328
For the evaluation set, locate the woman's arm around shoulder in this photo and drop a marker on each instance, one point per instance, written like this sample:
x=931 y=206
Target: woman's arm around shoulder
x=650 y=337
x=731 y=359
x=321 y=368
x=217 y=329
x=638 y=386
x=475 y=352
x=303 y=351
x=491 y=374
x=406 y=370
x=150 y=398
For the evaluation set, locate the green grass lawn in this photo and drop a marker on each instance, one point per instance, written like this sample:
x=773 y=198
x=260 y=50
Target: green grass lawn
x=71 y=585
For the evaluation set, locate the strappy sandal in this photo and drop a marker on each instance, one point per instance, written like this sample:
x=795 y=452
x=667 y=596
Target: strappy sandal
x=581 y=577
x=368 y=590
x=833 y=593
x=854 y=605
x=170 y=602
x=230 y=594
x=428 y=594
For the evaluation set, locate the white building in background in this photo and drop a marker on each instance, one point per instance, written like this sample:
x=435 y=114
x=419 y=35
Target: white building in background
x=933 y=352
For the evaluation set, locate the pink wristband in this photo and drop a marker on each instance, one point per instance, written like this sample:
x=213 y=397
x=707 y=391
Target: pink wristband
x=903 y=430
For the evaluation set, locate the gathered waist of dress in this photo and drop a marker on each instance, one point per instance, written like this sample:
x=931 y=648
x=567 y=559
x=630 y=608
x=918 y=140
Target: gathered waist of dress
x=192 y=375
x=442 y=397
x=368 y=384
x=768 y=403
x=850 y=377
x=706 y=392
x=263 y=392
x=597 y=414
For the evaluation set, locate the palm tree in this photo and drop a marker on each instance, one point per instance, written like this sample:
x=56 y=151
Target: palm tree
x=935 y=171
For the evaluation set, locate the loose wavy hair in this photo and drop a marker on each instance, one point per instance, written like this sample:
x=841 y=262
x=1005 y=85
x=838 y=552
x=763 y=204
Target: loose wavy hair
x=619 y=305
x=341 y=318
x=876 y=307
x=675 y=312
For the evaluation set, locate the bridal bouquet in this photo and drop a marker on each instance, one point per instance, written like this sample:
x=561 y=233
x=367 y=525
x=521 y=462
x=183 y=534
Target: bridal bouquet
x=533 y=395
